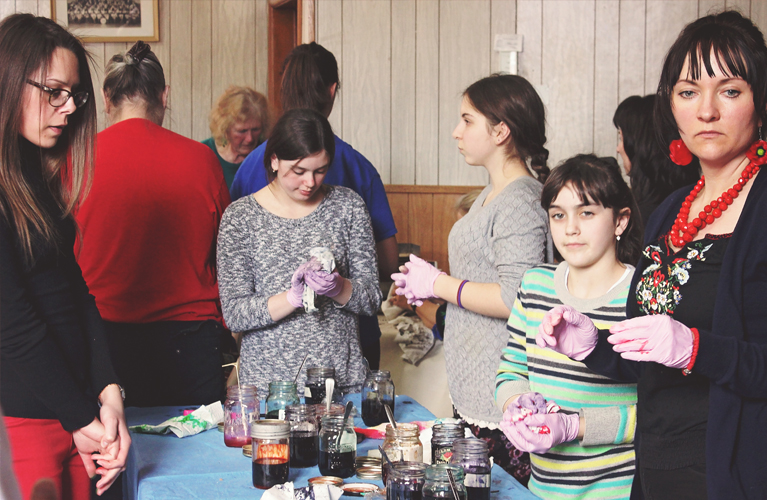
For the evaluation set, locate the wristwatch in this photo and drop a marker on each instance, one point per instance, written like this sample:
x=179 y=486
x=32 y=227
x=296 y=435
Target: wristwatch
x=122 y=393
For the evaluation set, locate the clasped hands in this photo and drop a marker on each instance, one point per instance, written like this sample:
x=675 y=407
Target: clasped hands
x=416 y=280
x=657 y=338
x=528 y=425
x=310 y=274
x=105 y=440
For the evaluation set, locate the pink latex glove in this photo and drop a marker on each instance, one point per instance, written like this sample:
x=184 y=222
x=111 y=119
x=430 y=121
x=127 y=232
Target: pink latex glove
x=323 y=283
x=416 y=283
x=563 y=428
x=297 y=281
x=655 y=338
x=566 y=331
x=526 y=404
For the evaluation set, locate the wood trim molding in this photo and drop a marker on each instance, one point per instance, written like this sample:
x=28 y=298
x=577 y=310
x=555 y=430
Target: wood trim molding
x=409 y=189
x=306 y=20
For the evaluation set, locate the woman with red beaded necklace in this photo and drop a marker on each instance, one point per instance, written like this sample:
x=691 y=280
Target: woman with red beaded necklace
x=696 y=337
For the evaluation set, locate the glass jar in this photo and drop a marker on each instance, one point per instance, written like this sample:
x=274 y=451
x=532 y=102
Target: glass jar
x=472 y=456
x=405 y=480
x=442 y=438
x=281 y=394
x=322 y=410
x=303 y=435
x=377 y=391
x=337 y=459
x=402 y=444
x=314 y=390
x=240 y=410
x=437 y=484
x=271 y=452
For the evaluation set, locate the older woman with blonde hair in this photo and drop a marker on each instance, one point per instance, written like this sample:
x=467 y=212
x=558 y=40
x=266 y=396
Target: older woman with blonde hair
x=239 y=121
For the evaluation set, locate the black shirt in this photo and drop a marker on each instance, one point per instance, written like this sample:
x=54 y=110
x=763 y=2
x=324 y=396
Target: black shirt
x=55 y=360
x=672 y=409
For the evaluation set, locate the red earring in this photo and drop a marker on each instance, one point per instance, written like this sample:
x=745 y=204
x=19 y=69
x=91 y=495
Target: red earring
x=679 y=153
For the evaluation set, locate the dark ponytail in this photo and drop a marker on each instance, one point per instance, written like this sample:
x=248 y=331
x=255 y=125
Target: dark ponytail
x=307 y=75
x=512 y=100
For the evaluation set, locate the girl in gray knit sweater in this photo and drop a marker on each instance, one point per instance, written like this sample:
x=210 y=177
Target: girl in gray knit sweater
x=505 y=233
x=264 y=265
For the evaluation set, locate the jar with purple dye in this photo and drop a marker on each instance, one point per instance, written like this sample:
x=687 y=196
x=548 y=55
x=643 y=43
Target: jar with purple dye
x=472 y=456
x=405 y=480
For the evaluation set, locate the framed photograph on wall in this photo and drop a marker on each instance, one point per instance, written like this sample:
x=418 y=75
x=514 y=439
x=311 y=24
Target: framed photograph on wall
x=109 y=20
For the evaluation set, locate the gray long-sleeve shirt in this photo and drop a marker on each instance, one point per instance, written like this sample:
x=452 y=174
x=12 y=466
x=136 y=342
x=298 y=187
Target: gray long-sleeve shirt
x=258 y=252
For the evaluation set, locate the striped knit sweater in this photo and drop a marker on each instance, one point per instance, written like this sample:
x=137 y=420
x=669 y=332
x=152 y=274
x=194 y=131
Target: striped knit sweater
x=602 y=464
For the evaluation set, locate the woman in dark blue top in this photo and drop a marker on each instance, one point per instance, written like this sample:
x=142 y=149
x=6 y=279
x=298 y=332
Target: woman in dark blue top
x=697 y=338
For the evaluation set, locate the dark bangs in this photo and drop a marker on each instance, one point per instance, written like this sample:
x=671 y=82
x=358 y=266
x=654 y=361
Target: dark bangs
x=593 y=179
x=738 y=49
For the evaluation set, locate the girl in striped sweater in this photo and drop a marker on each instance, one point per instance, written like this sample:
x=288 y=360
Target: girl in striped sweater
x=584 y=450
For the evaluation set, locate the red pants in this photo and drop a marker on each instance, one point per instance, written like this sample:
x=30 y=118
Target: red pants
x=43 y=449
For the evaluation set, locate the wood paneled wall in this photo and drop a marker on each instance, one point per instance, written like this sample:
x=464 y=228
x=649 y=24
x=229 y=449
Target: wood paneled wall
x=404 y=64
x=205 y=46
x=424 y=216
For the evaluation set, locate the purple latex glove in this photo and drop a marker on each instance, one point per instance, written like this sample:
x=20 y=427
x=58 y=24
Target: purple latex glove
x=297 y=281
x=655 y=338
x=562 y=428
x=566 y=331
x=323 y=283
x=526 y=404
x=416 y=283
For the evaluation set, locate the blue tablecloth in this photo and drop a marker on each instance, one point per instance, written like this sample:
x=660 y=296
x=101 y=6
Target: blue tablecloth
x=201 y=466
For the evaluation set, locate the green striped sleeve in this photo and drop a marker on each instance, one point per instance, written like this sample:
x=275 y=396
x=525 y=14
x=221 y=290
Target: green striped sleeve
x=512 y=376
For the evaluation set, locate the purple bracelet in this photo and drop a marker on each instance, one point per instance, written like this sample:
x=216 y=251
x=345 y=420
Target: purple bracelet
x=458 y=295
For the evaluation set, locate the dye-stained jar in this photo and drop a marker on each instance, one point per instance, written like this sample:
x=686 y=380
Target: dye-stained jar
x=405 y=480
x=472 y=456
x=336 y=458
x=314 y=390
x=437 y=484
x=303 y=435
x=271 y=452
x=442 y=438
x=240 y=410
x=403 y=443
x=281 y=394
x=377 y=392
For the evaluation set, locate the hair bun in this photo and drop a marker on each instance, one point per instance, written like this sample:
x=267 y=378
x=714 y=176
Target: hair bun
x=137 y=53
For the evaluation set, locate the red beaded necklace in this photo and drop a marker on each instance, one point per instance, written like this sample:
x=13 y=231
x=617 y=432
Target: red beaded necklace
x=683 y=231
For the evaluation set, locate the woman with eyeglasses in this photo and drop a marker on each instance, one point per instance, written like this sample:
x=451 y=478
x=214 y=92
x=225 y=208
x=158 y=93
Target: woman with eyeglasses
x=148 y=241
x=63 y=408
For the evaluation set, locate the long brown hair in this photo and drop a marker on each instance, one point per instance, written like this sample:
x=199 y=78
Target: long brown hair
x=27 y=44
x=307 y=75
x=512 y=100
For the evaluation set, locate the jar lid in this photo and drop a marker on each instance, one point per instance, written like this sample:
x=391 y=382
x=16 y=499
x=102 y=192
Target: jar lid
x=336 y=481
x=220 y=427
x=321 y=372
x=359 y=489
x=369 y=472
x=247 y=450
x=269 y=429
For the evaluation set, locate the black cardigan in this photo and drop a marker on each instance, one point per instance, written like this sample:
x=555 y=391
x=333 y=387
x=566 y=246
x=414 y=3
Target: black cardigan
x=55 y=360
x=733 y=355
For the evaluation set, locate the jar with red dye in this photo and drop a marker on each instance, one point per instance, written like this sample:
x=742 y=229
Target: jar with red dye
x=240 y=410
x=271 y=452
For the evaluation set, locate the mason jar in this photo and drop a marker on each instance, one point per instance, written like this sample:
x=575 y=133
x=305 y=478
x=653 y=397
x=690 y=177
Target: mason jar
x=442 y=438
x=472 y=456
x=403 y=443
x=337 y=459
x=240 y=410
x=437 y=484
x=377 y=392
x=405 y=480
x=271 y=452
x=303 y=435
x=314 y=390
x=281 y=394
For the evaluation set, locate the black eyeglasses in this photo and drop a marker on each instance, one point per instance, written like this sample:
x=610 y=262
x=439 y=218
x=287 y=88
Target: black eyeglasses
x=59 y=97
